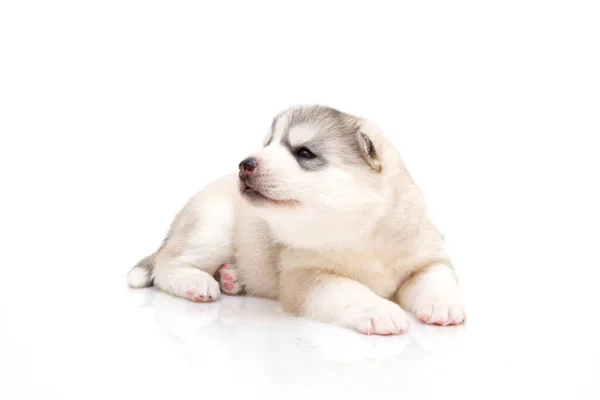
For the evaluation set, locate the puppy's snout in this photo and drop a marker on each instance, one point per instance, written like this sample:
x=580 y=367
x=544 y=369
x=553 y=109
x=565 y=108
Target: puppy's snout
x=248 y=165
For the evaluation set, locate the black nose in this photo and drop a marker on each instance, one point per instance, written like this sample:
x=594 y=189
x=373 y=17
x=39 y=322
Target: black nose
x=248 y=165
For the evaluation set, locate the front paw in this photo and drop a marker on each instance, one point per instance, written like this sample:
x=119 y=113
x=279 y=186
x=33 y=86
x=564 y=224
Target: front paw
x=434 y=296
x=383 y=318
x=439 y=309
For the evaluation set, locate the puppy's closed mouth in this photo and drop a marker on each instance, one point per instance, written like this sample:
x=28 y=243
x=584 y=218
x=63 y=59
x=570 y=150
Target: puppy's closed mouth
x=248 y=191
x=256 y=196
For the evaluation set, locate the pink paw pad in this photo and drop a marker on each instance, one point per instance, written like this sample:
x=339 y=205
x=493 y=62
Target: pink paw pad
x=228 y=280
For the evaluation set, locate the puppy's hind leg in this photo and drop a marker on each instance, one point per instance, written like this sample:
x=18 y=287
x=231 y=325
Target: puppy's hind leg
x=228 y=280
x=183 y=280
x=173 y=276
x=199 y=241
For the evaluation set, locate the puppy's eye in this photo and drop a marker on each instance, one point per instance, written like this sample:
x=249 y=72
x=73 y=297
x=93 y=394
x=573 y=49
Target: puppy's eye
x=303 y=152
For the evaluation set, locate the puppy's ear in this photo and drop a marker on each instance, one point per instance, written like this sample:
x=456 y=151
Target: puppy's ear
x=367 y=149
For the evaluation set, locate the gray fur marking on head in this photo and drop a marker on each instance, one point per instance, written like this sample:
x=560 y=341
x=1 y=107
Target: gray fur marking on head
x=337 y=137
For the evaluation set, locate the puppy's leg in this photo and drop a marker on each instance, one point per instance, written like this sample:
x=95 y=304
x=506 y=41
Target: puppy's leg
x=185 y=281
x=256 y=255
x=186 y=265
x=228 y=280
x=315 y=294
x=199 y=241
x=433 y=296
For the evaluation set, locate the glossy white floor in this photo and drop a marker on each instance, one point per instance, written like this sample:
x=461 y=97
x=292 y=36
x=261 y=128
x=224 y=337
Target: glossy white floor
x=524 y=338
x=113 y=114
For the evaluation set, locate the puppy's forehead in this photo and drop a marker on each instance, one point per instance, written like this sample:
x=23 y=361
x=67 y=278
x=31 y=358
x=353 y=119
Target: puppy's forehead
x=300 y=134
x=304 y=124
x=280 y=126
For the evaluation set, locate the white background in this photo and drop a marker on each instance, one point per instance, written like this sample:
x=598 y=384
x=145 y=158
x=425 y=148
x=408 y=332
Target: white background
x=113 y=113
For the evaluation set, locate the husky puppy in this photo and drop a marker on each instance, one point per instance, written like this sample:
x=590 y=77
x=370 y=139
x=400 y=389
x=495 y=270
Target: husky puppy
x=326 y=219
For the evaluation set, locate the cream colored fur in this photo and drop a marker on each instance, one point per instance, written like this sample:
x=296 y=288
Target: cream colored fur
x=343 y=242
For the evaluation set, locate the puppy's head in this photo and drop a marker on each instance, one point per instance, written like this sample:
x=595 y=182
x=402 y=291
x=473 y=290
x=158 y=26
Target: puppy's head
x=319 y=169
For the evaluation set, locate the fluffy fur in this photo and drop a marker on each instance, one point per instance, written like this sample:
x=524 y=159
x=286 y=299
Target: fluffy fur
x=328 y=221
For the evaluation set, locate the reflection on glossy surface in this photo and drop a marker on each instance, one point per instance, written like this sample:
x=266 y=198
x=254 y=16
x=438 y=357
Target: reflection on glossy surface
x=266 y=351
x=90 y=341
x=262 y=347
